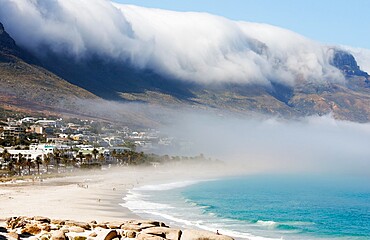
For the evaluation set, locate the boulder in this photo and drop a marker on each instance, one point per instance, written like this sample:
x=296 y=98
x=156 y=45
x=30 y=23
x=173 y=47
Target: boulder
x=32 y=229
x=58 y=222
x=144 y=236
x=131 y=227
x=33 y=238
x=130 y=234
x=106 y=234
x=45 y=236
x=198 y=234
x=16 y=222
x=146 y=225
x=13 y=235
x=79 y=238
x=141 y=222
x=93 y=234
x=76 y=229
x=168 y=233
x=42 y=219
x=83 y=225
x=115 y=225
x=47 y=227
x=99 y=225
x=58 y=235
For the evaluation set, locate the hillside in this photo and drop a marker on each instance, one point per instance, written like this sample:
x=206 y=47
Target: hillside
x=57 y=83
x=27 y=87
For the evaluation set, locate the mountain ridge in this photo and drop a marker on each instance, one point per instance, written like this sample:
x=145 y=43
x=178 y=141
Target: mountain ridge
x=120 y=81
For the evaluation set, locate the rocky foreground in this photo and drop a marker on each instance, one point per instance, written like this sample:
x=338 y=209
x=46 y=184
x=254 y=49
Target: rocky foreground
x=33 y=228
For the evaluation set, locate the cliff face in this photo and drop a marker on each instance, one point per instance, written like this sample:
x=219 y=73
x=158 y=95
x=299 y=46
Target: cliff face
x=347 y=63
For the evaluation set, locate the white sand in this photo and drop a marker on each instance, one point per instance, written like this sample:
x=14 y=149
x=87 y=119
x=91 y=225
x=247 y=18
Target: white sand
x=65 y=198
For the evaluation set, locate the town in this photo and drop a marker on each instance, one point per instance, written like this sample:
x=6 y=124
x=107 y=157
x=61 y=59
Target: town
x=36 y=145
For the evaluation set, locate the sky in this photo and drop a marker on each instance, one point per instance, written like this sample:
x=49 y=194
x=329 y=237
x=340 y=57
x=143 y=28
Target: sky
x=344 y=22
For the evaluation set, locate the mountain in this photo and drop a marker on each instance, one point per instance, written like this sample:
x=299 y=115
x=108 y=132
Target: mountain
x=120 y=81
x=28 y=87
x=51 y=76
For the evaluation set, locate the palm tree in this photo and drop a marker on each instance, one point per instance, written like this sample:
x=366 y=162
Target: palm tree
x=20 y=162
x=101 y=158
x=88 y=157
x=81 y=156
x=47 y=161
x=38 y=161
x=6 y=155
x=94 y=153
x=28 y=163
x=57 y=158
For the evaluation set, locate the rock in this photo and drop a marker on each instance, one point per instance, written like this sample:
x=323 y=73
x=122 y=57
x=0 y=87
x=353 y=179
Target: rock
x=132 y=227
x=42 y=219
x=197 y=234
x=64 y=229
x=115 y=225
x=99 y=225
x=106 y=234
x=141 y=222
x=144 y=236
x=79 y=238
x=168 y=233
x=16 y=222
x=13 y=235
x=47 y=227
x=33 y=238
x=146 y=225
x=93 y=234
x=76 y=229
x=58 y=235
x=130 y=234
x=32 y=229
x=45 y=236
x=84 y=225
x=58 y=222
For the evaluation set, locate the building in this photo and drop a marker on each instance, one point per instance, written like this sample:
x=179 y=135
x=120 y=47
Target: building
x=12 y=132
x=27 y=154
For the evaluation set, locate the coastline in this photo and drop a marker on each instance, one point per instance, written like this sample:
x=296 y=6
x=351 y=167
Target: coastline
x=86 y=196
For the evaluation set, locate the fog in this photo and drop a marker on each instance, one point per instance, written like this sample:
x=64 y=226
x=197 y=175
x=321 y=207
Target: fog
x=262 y=144
x=251 y=142
x=191 y=46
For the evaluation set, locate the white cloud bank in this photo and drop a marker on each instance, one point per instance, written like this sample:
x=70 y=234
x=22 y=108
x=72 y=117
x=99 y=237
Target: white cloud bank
x=311 y=145
x=190 y=46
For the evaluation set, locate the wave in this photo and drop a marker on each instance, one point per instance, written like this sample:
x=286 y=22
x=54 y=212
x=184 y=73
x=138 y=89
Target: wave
x=284 y=227
x=168 y=186
x=136 y=202
x=184 y=212
x=201 y=225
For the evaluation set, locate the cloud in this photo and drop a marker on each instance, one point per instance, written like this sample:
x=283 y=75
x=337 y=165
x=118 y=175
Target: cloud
x=252 y=143
x=183 y=45
x=261 y=144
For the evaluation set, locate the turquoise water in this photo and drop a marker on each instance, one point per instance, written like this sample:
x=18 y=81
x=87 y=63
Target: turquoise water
x=263 y=207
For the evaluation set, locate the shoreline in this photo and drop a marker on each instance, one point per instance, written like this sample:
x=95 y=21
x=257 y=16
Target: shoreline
x=86 y=196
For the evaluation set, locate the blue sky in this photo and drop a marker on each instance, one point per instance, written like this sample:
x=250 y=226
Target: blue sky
x=344 y=22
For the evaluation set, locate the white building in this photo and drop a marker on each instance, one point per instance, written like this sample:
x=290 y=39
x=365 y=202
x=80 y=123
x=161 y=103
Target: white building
x=27 y=154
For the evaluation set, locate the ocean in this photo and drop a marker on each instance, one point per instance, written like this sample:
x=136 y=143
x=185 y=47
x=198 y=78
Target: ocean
x=262 y=206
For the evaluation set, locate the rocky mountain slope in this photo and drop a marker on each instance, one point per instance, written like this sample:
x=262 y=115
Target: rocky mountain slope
x=28 y=87
x=55 y=83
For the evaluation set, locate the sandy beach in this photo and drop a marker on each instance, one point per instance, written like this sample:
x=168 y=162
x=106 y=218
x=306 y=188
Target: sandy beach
x=87 y=196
